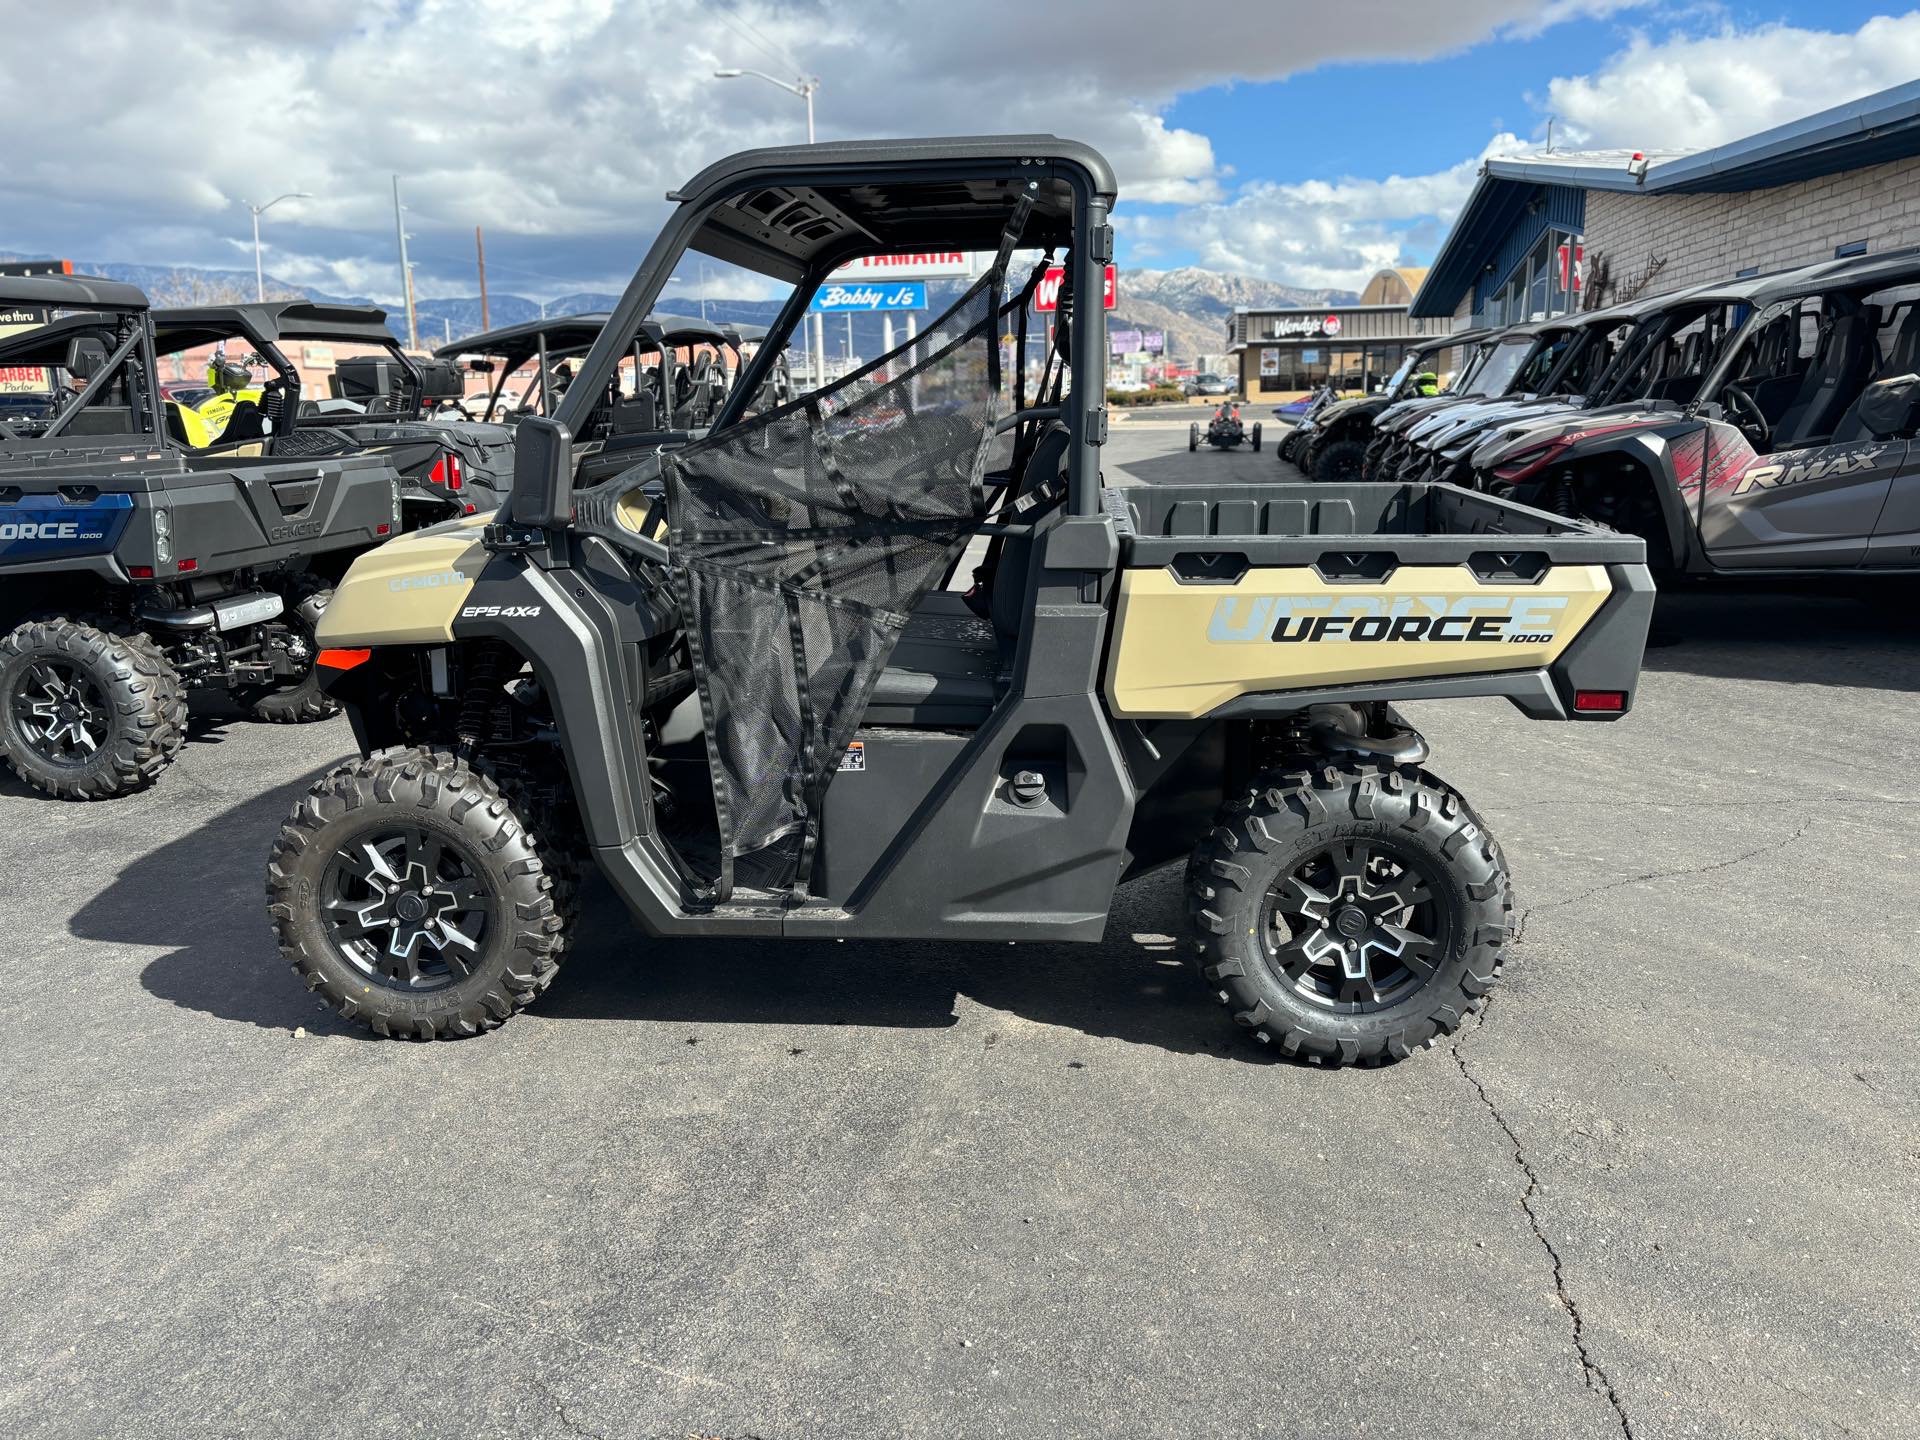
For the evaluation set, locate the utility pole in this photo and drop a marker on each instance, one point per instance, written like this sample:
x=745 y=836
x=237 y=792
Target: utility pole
x=406 y=270
x=480 y=254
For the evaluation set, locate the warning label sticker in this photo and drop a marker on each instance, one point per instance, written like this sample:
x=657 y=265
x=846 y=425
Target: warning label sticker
x=856 y=756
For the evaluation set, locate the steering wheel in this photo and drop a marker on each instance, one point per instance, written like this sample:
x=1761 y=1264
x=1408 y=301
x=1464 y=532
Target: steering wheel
x=1746 y=413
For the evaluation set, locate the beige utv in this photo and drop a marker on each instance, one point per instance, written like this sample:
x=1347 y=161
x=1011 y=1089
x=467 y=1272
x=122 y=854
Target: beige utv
x=737 y=676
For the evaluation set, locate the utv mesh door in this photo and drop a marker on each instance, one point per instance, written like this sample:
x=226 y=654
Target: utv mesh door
x=801 y=541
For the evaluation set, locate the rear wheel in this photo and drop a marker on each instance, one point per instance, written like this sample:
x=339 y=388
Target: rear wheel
x=411 y=897
x=88 y=710
x=298 y=700
x=1339 y=462
x=1350 y=914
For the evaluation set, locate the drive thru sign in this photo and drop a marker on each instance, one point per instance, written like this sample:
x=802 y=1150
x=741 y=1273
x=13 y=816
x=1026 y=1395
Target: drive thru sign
x=1046 y=295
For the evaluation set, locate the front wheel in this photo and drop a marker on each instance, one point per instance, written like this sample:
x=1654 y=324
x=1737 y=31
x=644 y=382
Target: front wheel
x=1340 y=462
x=88 y=710
x=1193 y=436
x=411 y=897
x=1349 y=914
x=1256 y=435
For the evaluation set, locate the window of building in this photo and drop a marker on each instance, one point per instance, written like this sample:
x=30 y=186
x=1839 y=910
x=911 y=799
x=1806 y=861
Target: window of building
x=1851 y=248
x=1544 y=284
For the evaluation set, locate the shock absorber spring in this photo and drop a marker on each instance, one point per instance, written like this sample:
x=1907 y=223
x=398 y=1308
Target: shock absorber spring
x=1560 y=497
x=488 y=664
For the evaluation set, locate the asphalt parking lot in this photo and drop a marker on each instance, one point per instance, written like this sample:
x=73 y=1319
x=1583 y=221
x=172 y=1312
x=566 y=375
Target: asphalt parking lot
x=1664 y=1188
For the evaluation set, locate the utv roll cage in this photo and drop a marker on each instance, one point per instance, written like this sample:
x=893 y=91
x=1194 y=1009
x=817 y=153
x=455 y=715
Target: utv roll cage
x=768 y=211
x=551 y=342
x=100 y=336
x=391 y=386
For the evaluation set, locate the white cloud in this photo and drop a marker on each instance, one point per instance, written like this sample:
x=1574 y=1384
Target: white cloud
x=1691 y=92
x=1331 y=234
x=560 y=125
x=1682 y=92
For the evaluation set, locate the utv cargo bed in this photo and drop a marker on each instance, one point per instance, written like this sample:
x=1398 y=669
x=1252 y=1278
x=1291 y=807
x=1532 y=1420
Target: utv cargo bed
x=1255 y=598
x=106 y=512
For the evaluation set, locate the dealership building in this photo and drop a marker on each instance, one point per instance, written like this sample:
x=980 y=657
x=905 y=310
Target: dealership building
x=1545 y=234
x=1279 y=354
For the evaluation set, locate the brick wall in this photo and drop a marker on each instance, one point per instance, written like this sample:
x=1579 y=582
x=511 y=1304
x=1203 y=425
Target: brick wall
x=1708 y=237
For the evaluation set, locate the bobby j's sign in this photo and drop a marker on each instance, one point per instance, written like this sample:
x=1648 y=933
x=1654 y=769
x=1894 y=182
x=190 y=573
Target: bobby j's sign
x=835 y=299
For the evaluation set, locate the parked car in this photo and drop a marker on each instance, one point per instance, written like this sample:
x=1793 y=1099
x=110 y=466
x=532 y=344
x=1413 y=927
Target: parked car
x=1206 y=385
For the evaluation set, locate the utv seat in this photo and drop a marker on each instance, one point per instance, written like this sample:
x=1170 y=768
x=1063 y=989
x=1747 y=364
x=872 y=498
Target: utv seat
x=1902 y=359
x=952 y=665
x=1836 y=377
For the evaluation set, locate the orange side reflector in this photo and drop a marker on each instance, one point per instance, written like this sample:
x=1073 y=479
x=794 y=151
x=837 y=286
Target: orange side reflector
x=343 y=659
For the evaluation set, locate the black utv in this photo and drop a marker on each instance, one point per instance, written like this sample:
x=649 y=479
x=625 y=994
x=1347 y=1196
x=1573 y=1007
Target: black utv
x=1791 y=454
x=134 y=569
x=380 y=400
x=740 y=678
x=1331 y=441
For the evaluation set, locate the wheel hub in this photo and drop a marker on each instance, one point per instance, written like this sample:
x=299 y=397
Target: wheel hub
x=1355 y=927
x=61 y=712
x=406 y=908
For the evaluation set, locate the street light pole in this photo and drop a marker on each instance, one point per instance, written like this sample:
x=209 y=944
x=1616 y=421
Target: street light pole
x=406 y=270
x=803 y=86
x=259 y=275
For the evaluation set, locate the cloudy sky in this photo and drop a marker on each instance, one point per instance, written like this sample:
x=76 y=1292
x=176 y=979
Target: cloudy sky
x=1306 y=142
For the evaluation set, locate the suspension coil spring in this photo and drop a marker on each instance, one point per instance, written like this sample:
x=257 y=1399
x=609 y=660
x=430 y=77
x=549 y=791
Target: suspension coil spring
x=488 y=665
x=1560 y=499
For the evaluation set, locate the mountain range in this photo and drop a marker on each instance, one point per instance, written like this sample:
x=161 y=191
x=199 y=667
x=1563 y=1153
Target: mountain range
x=1190 y=305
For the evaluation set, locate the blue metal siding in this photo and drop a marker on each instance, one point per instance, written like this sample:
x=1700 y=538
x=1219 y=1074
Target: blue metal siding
x=1558 y=206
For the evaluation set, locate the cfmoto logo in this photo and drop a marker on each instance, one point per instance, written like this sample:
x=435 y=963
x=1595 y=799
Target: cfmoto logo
x=40 y=530
x=432 y=581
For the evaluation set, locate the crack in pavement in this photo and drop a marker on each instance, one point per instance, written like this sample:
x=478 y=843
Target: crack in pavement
x=1705 y=869
x=560 y=1409
x=1594 y=1374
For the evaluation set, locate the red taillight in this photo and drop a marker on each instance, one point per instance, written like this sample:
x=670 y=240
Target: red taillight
x=187 y=567
x=471 y=508
x=1599 y=702
x=342 y=659
x=140 y=572
x=446 y=472
x=383 y=528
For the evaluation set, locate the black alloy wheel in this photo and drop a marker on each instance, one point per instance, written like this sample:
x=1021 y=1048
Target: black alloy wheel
x=1355 y=927
x=61 y=712
x=405 y=907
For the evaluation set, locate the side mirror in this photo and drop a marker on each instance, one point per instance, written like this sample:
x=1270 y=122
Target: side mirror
x=542 y=473
x=86 y=356
x=1891 y=408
